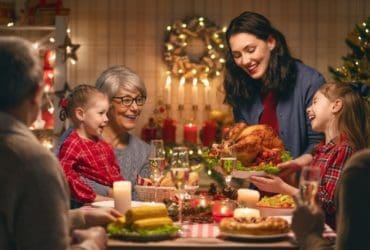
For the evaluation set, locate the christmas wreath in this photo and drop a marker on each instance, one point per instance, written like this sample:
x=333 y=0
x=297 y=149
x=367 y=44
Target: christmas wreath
x=194 y=48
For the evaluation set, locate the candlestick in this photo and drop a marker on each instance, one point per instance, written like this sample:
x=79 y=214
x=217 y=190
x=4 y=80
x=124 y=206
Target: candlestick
x=248 y=197
x=168 y=89
x=181 y=91
x=194 y=91
x=122 y=195
x=206 y=92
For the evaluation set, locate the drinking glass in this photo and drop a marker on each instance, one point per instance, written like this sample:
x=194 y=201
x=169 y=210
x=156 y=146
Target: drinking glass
x=308 y=186
x=228 y=164
x=157 y=162
x=180 y=170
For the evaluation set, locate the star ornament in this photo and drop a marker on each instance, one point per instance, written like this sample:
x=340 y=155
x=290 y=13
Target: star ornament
x=69 y=49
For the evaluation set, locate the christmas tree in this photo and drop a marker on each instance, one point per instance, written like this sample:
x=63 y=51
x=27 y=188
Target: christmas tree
x=356 y=66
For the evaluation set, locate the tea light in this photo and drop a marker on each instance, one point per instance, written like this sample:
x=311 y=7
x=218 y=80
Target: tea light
x=248 y=197
x=122 y=195
x=246 y=213
x=222 y=210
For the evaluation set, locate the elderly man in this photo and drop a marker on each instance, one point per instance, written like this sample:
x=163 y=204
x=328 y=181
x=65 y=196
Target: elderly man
x=34 y=196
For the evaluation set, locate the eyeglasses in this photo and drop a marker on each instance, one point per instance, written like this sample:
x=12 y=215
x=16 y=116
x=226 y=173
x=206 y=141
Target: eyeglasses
x=128 y=100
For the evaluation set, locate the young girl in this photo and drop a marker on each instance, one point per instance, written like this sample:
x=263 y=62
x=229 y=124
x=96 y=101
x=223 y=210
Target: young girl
x=84 y=155
x=340 y=113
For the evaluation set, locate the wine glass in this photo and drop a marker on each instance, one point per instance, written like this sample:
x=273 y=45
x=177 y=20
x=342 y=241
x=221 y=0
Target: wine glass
x=228 y=164
x=180 y=170
x=309 y=185
x=157 y=162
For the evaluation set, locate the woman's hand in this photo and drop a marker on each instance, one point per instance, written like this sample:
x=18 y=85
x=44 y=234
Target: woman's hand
x=100 y=216
x=272 y=184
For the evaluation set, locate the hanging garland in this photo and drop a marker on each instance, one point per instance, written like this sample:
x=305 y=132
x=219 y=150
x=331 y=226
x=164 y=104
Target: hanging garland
x=194 y=48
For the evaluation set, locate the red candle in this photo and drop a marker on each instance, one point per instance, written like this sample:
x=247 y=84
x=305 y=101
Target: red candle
x=208 y=133
x=190 y=133
x=169 y=131
x=222 y=209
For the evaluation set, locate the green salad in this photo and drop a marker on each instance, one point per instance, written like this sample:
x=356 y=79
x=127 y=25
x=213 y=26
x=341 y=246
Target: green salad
x=118 y=230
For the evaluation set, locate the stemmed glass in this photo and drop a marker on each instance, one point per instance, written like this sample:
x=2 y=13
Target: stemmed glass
x=180 y=170
x=228 y=164
x=308 y=186
x=157 y=162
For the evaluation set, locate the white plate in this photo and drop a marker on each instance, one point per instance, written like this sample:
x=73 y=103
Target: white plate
x=253 y=237
x=246 y=174
x=110 y=203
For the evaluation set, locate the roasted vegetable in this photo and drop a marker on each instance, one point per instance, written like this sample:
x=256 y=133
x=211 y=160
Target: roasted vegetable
x=138 y=213
x=151 y=223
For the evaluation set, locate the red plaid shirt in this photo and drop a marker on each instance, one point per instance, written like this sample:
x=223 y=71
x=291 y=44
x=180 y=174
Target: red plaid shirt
x=94 y=160
x=330 y=158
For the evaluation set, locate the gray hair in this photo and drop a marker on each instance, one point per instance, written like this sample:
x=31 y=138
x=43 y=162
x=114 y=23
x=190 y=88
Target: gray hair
x=20 y=72
x=116 y=77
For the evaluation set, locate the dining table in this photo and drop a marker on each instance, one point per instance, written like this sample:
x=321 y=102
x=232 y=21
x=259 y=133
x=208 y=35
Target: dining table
x=208 y=236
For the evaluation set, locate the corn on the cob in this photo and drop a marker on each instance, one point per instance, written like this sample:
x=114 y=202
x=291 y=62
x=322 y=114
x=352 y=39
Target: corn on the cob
x=138 y=213
x=151 y=223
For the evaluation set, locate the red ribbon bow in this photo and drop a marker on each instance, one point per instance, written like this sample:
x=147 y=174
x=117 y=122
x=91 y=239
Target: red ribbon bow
x=64 y=103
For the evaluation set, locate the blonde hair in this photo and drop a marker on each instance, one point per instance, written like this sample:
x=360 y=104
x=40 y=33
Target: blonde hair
x=79 y=97
x=352 y=120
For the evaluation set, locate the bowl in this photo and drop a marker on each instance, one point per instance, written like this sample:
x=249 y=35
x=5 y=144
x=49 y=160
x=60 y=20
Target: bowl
x=275 y=211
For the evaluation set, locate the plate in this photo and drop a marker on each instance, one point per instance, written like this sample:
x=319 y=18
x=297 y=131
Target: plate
x=110 y=203
x=253 y=237
x=146 y=238
x=246 y=174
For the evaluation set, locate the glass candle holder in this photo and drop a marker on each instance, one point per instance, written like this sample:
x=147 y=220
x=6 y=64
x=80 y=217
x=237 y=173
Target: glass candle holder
x=222 y=209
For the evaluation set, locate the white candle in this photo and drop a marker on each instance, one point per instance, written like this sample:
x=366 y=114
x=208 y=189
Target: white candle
x=206 y=92
x=181 y=90
x=248 y=197
x=246 y=213
x=122 y=195
x=194 y=91
x=167 y=88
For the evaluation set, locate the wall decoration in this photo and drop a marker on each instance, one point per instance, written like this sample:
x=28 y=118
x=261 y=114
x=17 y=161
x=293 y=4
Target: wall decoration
x=194 y=48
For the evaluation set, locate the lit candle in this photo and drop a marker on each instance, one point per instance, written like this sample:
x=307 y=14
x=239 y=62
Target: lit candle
x=168 y=89
x=190 y=133
x=122 y=195
x=194 y=91
x=248 y=197
x=222 y=209
x=181 y=90
x=207 y=100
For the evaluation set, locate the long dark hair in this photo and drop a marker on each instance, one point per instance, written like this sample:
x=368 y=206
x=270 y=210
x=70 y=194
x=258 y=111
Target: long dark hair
x=281 y=73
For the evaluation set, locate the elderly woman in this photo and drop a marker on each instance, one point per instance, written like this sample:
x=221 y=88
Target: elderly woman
x=127 y=95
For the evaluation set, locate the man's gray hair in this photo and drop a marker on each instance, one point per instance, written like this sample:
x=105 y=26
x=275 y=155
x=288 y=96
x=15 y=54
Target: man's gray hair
x=20 y=72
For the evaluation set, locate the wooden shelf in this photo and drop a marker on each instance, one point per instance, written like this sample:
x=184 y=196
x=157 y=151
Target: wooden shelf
x=27 y=28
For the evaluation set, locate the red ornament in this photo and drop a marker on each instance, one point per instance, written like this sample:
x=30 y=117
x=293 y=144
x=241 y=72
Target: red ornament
x=169 y=131
x=208 y=135
x=150 y=131
x=48 y=118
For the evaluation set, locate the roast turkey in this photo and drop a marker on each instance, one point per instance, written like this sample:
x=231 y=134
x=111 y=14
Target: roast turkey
x=248 y=142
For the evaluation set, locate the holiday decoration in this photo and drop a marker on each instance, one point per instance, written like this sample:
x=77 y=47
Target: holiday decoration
x=190 y=133
x=69 y=49
x=169 y=131
x=194 y=48
x=356 y=64
x=194 y=52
